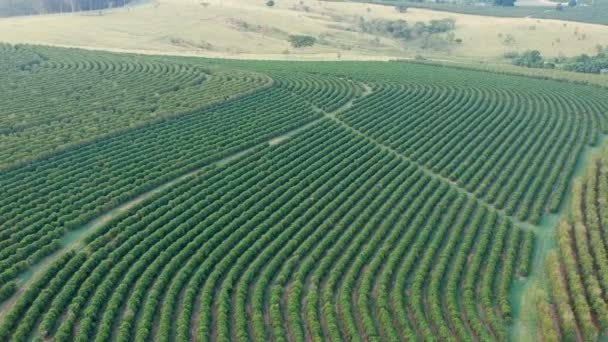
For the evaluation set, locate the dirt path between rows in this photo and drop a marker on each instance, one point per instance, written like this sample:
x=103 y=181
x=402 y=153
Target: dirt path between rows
x=73 y=240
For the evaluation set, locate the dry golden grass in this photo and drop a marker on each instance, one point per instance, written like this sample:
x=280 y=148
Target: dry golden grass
x=249 y=29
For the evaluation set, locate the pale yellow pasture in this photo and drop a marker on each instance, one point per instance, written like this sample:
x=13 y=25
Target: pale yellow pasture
x=250 y=29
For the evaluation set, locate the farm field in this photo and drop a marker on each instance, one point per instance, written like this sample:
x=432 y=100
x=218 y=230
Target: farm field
x=173 y=198
x=576 y=268
x=100 y=96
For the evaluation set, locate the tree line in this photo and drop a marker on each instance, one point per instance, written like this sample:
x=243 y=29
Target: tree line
x=594 y=64
x=30 y=7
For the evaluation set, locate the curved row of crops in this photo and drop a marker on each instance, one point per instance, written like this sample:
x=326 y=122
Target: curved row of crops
x=578 y=271
x=515 y=150
x=378 y=223
x=327 y=93
x=308 y=239
x=43 y=200
x=55 y=99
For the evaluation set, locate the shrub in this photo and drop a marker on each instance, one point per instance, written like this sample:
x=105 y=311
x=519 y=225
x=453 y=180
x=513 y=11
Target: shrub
x=299 y=41
x=401 y=8
x=401 y=29
x=507 y=3
x=509 y=40
x=530 y=59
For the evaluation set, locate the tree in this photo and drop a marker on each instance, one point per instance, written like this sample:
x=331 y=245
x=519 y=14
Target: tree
x=572 y=3
x=270 y=3
x=299 y=41
x=530 y=59
x=559 y=7
x=401 y=8
x=30 y=7
x=504 y=2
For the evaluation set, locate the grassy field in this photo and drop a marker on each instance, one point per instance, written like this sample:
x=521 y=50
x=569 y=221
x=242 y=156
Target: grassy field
x=594 y=12
x=316 y=200
x=251 y=30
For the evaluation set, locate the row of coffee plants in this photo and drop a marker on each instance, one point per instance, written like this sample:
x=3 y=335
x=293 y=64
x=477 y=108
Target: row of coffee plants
x=514 y=149
x=45 y=198
x=66 y=97
x=323 y=236
x=578 y=272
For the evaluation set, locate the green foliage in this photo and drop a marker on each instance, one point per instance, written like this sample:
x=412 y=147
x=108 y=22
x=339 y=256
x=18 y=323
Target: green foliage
x=527 y=250
x=7 y=290
x=91 y=98
x=387 y=184
x=300 y=41
x=504 y=2
x=401 y=8
x=530 y=59
x=401 y=29
x=546 y=327
x=588 y=64
x=579 y=271
x=583 y=63
x=511 y=55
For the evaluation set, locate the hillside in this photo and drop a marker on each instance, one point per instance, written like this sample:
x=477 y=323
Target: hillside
x=146 y=198
x=238 y=29
x=587 y=11
x=9 y=8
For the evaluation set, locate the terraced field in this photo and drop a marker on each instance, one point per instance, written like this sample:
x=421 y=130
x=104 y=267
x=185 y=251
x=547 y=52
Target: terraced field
x=276 y=201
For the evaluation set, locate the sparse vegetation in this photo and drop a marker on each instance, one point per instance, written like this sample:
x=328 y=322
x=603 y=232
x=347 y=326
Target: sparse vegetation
x=508 y=39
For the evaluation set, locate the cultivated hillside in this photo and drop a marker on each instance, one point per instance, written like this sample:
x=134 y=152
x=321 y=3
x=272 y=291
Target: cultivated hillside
x=158 y=198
